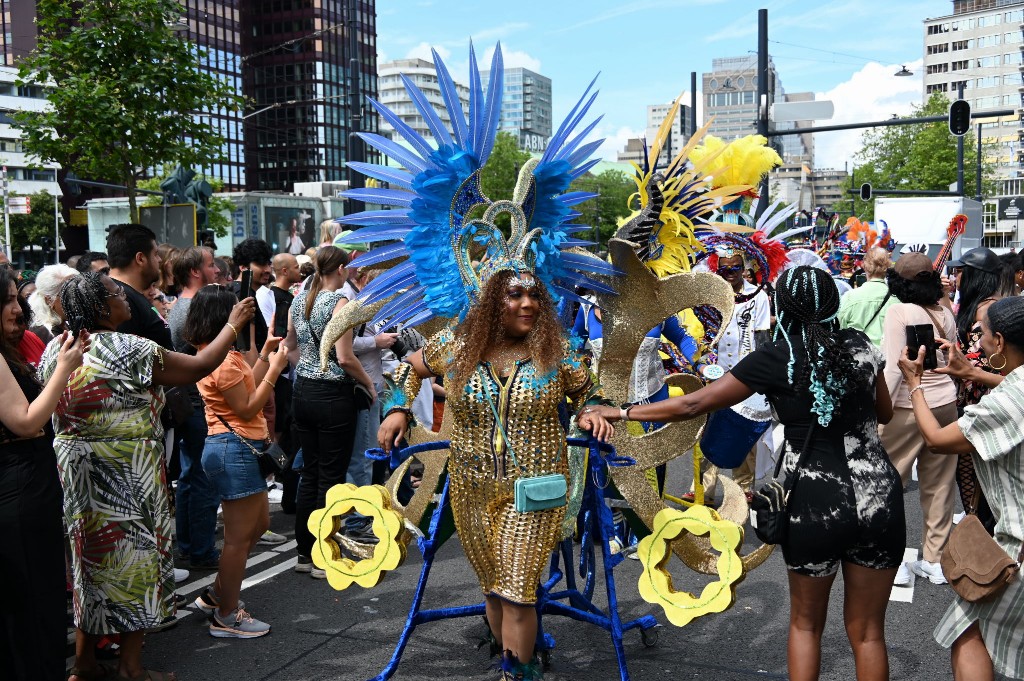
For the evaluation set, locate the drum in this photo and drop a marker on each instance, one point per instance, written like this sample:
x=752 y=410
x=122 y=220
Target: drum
x=729 y=436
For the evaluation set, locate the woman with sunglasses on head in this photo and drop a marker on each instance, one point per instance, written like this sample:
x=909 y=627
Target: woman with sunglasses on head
x=234 y=395
x=33 y=634
x=110 y=448
x=918 y=288
x=981 y=279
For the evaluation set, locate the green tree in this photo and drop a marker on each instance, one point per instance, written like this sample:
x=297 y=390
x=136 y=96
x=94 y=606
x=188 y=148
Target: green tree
x=27 y=230
x=921 y=157
x=123 y=90
x=498 y=179
x=613 y=189
x=218 y=211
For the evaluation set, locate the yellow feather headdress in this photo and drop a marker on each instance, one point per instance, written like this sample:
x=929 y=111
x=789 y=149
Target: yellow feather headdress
x=743 y=161
x=670 y=205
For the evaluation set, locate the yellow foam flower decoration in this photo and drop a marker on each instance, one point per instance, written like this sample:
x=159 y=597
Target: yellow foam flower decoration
x=656 y=587
x=740 y=162
x=373 y=501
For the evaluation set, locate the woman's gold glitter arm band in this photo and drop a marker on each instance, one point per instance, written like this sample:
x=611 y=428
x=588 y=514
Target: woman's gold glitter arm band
x=402 y=387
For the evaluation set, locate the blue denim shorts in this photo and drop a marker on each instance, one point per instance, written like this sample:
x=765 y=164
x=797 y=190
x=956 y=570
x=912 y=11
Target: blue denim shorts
x=232 y=467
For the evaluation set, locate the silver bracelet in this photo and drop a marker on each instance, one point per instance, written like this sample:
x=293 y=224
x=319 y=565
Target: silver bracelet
x=911 y=395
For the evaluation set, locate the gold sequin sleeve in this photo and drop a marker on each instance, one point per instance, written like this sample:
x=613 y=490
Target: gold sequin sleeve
x=581 y=386
x=438 y=351
x=403 y=385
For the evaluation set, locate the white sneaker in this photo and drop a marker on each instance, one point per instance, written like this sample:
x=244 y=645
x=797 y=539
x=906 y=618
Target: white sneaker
x=931 y=571
x=180 y=575
x=272 y=538
x=902 y=576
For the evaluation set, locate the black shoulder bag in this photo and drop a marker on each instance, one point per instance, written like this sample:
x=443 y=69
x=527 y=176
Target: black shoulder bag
x=770 y=503
x=271 y=460
x=888 y=295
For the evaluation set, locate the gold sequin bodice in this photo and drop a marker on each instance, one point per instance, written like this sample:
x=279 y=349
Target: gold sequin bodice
x=527 y=402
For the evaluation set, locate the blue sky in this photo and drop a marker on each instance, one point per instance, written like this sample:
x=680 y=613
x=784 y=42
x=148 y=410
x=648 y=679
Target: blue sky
x=645 y=50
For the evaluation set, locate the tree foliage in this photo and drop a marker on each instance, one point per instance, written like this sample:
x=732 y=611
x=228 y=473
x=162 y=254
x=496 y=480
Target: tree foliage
x=27 y=230
x=613 y=189
x=123 y=89
x=921 y=157
x=218 y=210
x=499 y=176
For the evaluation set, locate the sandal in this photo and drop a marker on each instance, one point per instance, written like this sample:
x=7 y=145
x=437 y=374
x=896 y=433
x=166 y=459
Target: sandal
x=148 y=675
x=99 y=674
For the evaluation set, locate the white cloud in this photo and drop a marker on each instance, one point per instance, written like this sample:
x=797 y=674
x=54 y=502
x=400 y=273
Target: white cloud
x=511 y=59
x=870 y=94
x=422 y=51
x=614 y=140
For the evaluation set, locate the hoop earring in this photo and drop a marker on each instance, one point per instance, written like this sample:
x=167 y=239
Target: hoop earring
x=1001 y=366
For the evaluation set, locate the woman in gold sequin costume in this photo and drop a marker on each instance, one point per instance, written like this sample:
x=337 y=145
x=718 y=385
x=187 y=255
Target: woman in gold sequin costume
x=507 y=364
x=509 y=352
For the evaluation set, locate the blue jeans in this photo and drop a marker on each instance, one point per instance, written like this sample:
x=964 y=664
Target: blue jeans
x=360 y=469
x=196 y=499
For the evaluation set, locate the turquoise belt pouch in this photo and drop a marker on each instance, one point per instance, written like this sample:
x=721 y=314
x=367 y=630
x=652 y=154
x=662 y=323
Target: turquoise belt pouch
x=540 y=493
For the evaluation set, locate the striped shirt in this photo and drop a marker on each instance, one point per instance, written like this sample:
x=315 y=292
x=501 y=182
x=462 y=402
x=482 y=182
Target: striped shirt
x=993 y=427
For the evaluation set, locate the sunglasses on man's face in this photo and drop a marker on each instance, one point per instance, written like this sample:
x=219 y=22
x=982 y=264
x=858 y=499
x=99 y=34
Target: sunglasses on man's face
x=730 y=269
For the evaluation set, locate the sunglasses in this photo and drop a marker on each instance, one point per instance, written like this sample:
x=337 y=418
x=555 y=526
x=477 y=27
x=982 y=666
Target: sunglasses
x=119 y=293
x=730 y=269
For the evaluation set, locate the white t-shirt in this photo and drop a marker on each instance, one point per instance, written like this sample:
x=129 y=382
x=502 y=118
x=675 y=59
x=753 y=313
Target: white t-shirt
x=738 y=341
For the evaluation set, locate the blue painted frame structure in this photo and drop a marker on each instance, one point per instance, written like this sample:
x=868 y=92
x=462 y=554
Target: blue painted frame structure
x=596 y=522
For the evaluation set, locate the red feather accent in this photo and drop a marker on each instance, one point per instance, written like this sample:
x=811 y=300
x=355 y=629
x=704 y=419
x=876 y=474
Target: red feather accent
x=774 y=251
x=713 y=261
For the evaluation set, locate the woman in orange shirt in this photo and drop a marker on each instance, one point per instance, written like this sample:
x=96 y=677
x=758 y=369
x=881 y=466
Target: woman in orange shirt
x=234 y=395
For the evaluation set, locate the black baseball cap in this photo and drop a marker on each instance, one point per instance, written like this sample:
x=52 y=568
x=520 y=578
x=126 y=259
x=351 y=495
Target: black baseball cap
x=980 y=259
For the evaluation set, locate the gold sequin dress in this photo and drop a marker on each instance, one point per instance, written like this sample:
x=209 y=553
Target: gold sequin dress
x=507 y=549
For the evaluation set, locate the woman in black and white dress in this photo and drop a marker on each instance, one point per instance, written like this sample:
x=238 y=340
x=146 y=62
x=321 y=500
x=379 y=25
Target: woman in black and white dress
x=846 y=508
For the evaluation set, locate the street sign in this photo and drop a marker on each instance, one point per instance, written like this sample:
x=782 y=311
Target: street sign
x=817 y=110
x=19 y=205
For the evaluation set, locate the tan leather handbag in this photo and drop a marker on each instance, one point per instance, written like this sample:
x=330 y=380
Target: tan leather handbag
x=976 y=567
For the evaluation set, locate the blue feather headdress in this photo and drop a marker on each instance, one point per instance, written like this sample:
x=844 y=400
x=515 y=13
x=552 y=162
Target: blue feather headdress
x=426 y=229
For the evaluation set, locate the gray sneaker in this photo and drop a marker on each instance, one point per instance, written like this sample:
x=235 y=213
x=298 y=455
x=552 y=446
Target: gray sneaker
x=208 y=601
x=272 y=539
x=238 y=624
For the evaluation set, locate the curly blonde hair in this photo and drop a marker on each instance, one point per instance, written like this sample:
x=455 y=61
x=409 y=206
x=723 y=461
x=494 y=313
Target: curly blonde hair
x=483 y=328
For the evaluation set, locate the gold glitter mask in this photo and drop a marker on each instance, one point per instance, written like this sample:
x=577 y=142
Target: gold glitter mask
x=644 y=301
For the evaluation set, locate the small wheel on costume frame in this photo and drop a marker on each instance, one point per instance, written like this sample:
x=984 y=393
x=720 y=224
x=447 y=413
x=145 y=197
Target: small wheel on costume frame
x=649 y=637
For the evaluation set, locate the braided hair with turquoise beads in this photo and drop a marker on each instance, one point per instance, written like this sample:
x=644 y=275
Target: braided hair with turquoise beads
x=807 y=303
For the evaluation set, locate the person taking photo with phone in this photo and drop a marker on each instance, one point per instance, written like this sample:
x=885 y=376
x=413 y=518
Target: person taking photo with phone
x=234 y=395
x=918 y=288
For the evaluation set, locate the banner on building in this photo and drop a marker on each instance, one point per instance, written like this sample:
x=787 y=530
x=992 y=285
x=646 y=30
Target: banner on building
x=1011 y=208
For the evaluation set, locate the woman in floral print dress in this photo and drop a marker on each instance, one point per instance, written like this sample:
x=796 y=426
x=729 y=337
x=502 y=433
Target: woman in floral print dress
x=110 y=446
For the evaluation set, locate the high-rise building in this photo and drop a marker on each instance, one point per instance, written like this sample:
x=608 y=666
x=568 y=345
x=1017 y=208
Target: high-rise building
x=525 y=107
x=730 y=96
x=394 y=95
x=306 y=67
x=303 y=65
x=979 y=48
x=215 y=28
x=682 y=130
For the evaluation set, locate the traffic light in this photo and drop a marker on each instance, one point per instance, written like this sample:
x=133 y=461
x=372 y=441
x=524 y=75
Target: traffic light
x=959 y=117
x=865 y=191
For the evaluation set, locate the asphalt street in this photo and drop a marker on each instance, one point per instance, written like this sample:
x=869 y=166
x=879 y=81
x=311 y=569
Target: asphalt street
x=321 y=634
